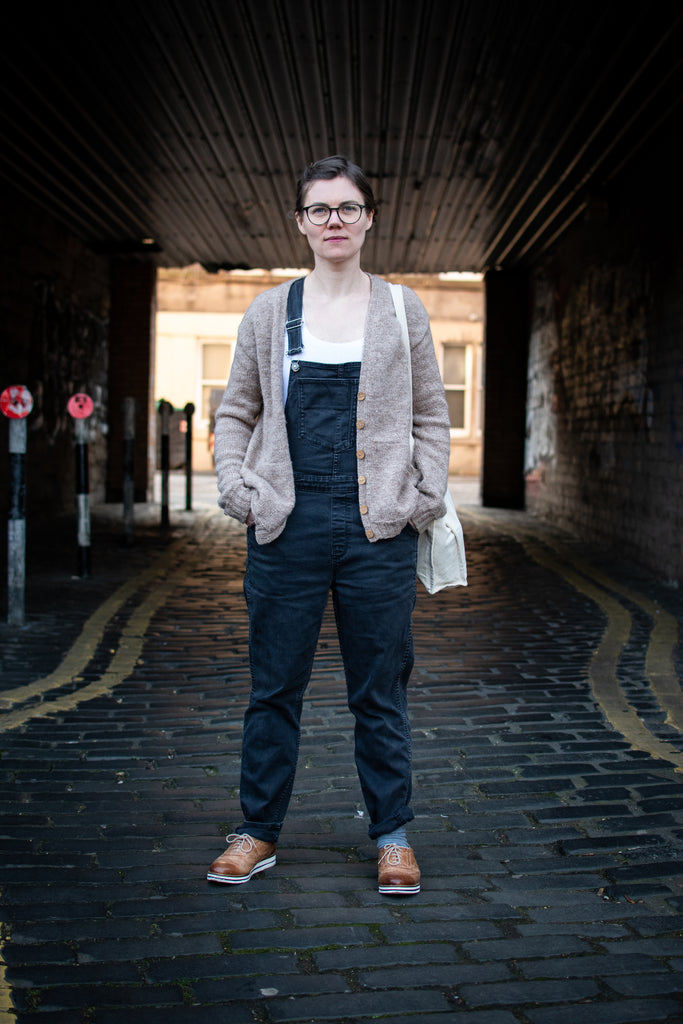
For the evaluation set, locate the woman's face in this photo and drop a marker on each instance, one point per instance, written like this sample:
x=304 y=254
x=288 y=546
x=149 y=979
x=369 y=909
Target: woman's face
x=335 y=240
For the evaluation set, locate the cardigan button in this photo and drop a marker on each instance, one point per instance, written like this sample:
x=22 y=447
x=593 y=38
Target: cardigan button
x=364 y=510
x=369 y=534
x=360 y=453
x=361 y=396
x=360 y=424
x=361 y=480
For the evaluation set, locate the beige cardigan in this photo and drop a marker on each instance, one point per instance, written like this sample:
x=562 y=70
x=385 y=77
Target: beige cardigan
x=253 y=465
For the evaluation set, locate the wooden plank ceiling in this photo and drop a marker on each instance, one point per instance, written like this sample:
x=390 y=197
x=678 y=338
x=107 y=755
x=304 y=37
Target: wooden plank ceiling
x=486 y=126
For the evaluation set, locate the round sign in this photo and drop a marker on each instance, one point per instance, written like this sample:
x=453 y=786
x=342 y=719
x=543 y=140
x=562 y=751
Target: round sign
x=80 y=406
x=16 y=402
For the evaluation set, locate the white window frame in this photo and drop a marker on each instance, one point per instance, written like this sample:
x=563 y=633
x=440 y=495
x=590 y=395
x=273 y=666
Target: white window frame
x=202 y=382
x=467 y=388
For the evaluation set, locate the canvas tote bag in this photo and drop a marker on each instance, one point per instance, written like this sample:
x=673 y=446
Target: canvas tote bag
x=441 y=560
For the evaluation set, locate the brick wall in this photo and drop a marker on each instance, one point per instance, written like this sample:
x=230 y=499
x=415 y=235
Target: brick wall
x=131 y=362
x=54 y=308
x=604 y=444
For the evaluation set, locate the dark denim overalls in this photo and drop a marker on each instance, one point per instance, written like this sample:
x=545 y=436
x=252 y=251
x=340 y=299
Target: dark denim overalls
x=324 y=547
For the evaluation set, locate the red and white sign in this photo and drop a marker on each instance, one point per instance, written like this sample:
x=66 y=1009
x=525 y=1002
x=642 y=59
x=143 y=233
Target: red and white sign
x=80 y=406
x=16 y=402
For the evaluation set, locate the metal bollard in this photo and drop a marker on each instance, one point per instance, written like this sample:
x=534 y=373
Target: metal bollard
x=165 y=410
x=80 y=407
x=189 y=413
x=16 y=403
x=128 y=469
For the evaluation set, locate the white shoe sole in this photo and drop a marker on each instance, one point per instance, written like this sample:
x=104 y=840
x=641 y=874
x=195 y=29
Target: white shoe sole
x=398 y=890
x=239 y=879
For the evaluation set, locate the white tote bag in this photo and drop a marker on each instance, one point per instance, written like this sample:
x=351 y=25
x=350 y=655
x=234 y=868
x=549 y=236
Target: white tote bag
x=441 y=558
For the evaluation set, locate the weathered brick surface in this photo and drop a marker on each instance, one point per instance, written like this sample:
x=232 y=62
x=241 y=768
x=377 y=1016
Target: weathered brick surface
x=550 y=849
x=604 y=446
x=54 y=308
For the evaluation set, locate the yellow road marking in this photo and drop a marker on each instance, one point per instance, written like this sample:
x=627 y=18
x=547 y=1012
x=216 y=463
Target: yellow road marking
x=603 y=668
x=659 y=662
x=128 y=650
x=6 y=1004
x=604 y=664
x=659 y=667
x=85 y=646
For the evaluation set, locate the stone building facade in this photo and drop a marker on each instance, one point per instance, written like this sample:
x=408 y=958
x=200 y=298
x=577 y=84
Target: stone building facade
x=198 y=315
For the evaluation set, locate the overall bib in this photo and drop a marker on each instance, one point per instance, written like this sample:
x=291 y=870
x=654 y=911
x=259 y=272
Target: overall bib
x=324 y=548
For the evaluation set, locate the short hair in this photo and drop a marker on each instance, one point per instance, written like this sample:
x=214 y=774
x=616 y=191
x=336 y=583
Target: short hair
x=334 y=167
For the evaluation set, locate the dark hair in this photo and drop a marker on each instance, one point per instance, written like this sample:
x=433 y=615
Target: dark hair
x=334 y=167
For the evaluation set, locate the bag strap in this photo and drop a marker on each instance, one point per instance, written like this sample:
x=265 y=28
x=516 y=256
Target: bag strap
x=295 y=321
x=399 y=306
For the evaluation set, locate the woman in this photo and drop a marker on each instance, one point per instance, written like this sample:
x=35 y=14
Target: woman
x=312 y=452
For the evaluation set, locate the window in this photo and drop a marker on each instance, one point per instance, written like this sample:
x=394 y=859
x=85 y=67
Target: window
x=456 y=371
x=215 y=364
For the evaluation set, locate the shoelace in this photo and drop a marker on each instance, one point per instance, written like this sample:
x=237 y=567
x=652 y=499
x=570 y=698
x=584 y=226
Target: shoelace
x=245 y=844
x=392 y=854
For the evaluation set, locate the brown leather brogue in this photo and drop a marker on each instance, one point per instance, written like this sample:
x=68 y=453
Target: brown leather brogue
x=398 y=873
x=244 y=857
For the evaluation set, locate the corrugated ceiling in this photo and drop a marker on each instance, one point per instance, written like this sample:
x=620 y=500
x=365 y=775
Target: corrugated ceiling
x=485 y=125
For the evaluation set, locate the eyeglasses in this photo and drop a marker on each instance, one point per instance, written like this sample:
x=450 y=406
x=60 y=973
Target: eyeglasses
x=348 y=213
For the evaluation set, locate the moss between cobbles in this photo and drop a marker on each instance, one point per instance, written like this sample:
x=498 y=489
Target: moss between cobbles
x=72 y=945
x=33 y=999
x=352 y=980
x=259 y=1013
x=187 y=991
x=306 y=963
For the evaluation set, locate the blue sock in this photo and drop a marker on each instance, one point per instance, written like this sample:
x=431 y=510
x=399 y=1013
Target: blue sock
x=397 y=837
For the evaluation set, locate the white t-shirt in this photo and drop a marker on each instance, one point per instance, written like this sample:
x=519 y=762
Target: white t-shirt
x=315 y=350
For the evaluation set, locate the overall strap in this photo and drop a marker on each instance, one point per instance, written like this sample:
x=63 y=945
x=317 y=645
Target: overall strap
x=294 y=318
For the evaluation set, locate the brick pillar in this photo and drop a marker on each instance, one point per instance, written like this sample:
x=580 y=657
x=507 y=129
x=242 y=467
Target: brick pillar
x=131 y=374
x=506 y=348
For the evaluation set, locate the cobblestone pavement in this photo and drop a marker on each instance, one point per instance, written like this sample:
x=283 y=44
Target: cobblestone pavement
x=546 y=711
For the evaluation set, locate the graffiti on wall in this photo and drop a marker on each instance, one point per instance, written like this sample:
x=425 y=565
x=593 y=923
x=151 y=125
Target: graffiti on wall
x=588 y=388
x=68 y=355
x=544 y=388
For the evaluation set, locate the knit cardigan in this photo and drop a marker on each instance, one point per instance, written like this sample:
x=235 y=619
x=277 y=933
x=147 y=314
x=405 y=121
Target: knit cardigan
x=253 y=465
